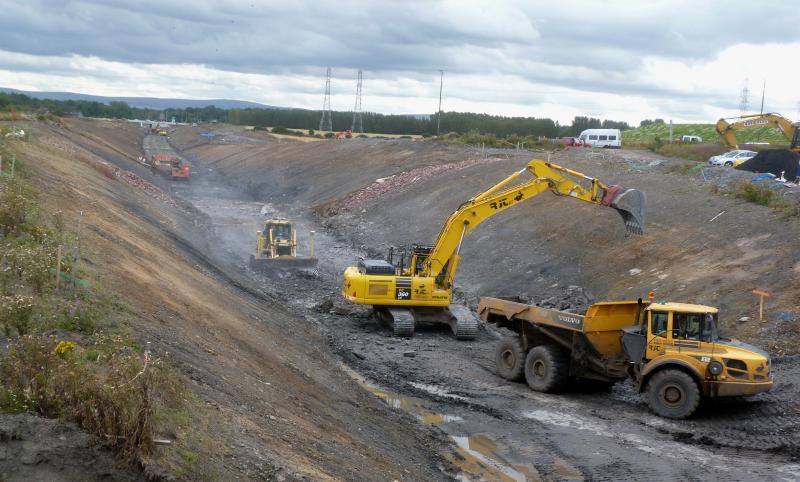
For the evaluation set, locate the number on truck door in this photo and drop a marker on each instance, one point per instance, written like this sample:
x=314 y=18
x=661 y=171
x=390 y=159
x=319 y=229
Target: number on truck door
x=659 y=333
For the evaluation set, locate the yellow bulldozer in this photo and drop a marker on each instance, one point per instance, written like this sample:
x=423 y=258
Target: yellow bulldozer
x=276 y=247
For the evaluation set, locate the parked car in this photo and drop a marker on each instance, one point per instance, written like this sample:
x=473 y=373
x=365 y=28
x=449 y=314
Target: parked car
x=730 y=158
x=571 y=142
x=691 y=139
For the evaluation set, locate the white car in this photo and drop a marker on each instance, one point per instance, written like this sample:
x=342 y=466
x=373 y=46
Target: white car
x=730 y=158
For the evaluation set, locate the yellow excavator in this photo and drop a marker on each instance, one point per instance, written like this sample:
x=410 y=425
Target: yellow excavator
x=421 y=290
x=276 y=247
x=727 y=130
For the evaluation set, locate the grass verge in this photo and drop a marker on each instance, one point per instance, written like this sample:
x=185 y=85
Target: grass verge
x=765 y=196
x=65 y=354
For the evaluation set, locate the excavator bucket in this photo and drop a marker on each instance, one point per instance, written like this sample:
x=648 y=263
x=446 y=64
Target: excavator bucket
x=630 y=204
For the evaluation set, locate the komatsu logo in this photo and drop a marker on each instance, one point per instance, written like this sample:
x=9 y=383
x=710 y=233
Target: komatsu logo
x=569 y=319
x=756 y=123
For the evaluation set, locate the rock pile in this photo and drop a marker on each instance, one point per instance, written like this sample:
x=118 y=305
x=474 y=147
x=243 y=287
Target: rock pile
x=394 y=182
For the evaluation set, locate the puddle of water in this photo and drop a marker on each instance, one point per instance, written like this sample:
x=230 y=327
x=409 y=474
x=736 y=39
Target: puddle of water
x=434 y=390
x=476 y=456
x=481 y=460
x=412 y=405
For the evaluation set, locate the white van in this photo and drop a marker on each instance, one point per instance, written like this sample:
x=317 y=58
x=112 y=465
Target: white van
x=602 y=138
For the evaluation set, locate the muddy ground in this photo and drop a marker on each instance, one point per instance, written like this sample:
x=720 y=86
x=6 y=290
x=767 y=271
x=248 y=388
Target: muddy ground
x=298 y=384
x=505 y=431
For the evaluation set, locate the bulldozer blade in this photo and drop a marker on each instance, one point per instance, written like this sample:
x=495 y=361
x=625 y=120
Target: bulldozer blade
x=269 y=264
x=630 y=204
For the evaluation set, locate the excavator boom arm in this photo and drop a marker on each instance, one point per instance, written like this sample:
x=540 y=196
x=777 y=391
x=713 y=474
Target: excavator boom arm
x=727 y=130
x=443 y=258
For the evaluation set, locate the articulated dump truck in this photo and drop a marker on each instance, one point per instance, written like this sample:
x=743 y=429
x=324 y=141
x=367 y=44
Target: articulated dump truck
x=672 y=351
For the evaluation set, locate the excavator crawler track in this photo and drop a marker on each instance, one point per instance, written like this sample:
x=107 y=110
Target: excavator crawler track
x=463 y=322
x=402 y=322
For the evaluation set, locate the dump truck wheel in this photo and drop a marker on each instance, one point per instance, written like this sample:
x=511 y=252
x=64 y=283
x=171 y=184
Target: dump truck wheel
x=673 y=394
x=509 y=358
x=547 y=368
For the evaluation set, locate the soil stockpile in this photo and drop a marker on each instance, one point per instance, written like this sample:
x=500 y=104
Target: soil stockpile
x=776 y=161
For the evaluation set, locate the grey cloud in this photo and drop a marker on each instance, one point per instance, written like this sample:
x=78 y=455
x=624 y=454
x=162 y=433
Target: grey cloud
x=585 y=45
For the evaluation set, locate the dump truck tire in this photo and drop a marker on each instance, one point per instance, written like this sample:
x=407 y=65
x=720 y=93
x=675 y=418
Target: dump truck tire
x=547 y=368
x=673 y=394
x=509 y=358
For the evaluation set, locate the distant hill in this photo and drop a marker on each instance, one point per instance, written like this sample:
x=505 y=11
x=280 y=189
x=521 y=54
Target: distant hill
x=706 y=131
x=146 y=102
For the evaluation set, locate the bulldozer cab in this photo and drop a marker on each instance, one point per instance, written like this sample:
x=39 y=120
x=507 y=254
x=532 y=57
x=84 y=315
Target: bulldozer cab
x=276 y=247
x=276 y=239
x=278 y=230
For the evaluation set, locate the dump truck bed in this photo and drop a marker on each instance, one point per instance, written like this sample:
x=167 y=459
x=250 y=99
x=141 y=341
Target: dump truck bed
x=592 y=340
x=510 y=309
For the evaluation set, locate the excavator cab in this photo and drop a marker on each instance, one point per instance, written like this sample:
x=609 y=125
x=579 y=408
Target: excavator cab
x=419 y=254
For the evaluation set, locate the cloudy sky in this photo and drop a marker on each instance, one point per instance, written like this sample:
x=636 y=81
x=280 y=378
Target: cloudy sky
x=623 y=60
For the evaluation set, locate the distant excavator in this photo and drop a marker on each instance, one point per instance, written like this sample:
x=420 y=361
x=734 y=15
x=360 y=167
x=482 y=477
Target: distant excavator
x=727 y=130
x=421 y=289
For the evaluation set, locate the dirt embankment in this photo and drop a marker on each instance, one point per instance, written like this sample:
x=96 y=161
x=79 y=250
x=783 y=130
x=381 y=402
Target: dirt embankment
x=700 y=247
x=272 y=402
x=312 y=172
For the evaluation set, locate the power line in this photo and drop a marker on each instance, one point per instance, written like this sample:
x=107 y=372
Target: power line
x=326 y=122
x=357 y=125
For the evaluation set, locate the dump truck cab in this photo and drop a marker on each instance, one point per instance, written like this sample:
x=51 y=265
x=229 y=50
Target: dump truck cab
x=673 y=352
x=685 y=337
